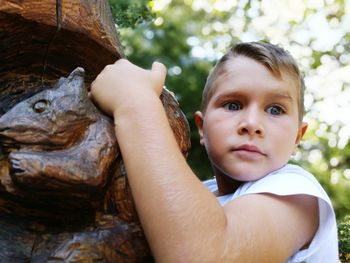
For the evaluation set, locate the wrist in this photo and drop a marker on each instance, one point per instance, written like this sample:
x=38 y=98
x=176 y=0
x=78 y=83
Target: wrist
x=141 y=104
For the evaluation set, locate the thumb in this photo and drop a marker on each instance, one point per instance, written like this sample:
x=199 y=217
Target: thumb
x=159 y=71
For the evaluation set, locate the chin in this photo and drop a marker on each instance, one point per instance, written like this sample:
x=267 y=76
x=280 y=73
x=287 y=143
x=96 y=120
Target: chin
x=248 y=175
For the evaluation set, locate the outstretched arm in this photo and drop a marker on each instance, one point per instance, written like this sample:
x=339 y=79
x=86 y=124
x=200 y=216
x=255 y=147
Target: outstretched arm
x=182 y=220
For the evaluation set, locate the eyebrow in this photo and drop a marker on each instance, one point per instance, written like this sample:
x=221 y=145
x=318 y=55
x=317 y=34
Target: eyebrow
x=282 y=95
x=274 y=94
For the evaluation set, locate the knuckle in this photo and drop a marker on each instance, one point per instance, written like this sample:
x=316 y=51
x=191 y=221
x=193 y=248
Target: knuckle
x=121 y=60
x=108 y=67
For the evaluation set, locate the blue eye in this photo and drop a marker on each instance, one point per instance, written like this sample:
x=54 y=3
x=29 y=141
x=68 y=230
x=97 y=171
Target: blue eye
x=275 y=110
x=233 y=106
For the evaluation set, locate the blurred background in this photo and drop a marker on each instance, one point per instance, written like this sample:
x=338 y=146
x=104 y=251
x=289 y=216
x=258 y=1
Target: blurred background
x=188 y=36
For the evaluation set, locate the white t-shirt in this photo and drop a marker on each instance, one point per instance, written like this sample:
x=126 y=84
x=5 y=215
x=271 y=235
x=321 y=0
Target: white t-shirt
x=293 y=180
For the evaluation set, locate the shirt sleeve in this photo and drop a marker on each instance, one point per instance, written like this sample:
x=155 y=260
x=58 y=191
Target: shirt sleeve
x=293 y=180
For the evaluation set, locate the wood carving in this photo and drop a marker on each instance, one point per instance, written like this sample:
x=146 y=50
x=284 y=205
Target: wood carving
x=64 y=195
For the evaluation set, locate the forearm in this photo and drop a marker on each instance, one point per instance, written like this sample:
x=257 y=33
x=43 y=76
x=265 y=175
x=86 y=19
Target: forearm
x=176 y=211
x=182 y=220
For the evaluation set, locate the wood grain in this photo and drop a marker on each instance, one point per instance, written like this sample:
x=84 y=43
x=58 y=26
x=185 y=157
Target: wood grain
x=64 y=193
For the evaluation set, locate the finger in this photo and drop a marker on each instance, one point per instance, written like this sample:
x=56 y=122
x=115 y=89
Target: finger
x=159 y=71
x=92 y=90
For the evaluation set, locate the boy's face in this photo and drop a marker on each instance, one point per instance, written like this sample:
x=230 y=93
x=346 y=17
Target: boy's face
x=250 y=126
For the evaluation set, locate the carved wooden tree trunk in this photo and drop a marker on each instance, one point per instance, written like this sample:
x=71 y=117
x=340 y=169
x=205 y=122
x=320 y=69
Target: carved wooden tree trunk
x=64 y=195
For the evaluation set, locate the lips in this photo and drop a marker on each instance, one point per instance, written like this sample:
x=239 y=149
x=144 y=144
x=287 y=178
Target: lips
x=249 y=149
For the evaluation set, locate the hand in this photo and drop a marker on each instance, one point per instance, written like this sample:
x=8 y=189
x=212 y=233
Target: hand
x=123 y=83
x=25 y=167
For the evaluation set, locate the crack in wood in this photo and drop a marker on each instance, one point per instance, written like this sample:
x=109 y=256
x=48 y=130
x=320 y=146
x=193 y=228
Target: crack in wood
x=58 y=28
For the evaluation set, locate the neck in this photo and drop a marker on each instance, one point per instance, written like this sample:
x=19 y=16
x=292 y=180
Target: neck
x=226 y=184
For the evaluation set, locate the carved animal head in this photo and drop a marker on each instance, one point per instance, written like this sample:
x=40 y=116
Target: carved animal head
x=55 y=117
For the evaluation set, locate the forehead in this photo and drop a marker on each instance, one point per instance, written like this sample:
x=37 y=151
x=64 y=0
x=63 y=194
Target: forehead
x=242 y=72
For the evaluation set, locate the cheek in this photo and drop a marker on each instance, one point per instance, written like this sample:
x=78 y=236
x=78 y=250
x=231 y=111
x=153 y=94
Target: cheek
x=215 y=134
x=214 y=125
x=285 y=139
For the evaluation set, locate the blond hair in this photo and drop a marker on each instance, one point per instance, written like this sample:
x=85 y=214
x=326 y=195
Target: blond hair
x=274 y=58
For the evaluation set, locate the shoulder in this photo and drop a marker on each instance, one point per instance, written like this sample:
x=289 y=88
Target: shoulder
x=292 y=180
x=288 y=180
x=269 y=218
x=293 y=192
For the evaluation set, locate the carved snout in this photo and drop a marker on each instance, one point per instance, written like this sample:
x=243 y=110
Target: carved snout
x=7 y=122
x=16 y=130
x=5 y=141
x=3 y=126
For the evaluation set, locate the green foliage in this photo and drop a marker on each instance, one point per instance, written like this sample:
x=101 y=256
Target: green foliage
x=344 y=239
x=130 y=13
x=329 y=163
x=189 y=35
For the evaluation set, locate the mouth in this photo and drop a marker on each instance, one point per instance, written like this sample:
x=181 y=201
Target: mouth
x=3 y=129
x=6 y=148
x=249 y=149
x=7 y=144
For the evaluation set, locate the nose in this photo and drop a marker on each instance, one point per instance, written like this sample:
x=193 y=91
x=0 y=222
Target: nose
x=251 y=123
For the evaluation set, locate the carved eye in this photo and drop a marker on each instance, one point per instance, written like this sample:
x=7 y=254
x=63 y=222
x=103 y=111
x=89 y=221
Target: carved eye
x=40 y=106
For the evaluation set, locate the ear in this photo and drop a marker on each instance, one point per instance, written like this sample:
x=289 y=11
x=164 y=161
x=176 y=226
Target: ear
x=301 y=132
x=75 y=82
x=198 y=119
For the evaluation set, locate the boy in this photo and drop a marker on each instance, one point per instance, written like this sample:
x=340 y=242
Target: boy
x=250 y=124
